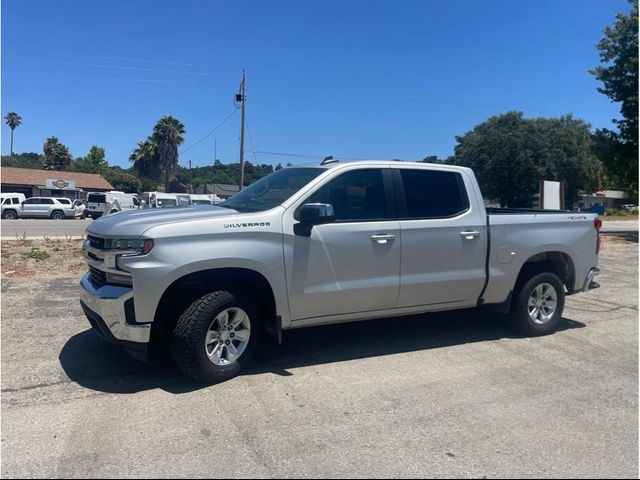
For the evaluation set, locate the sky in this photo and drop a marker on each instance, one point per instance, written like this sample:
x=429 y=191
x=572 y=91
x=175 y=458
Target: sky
x=348 y=78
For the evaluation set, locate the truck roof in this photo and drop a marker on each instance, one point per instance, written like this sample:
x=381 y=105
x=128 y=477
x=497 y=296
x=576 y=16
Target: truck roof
x=337 y=162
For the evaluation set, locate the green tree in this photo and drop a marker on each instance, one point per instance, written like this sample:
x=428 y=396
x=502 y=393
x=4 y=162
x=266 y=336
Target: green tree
x=95 y=161
x=618 y=73
x=510 y=155
x=145 y=160
x=433 y=159
x=167 y=136
x=56 y=155
x=13 y=120
x=23 y=160
x=122 y=180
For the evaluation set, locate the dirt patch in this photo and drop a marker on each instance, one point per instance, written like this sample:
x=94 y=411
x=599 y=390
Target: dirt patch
x=619 y=218
x=42 y=258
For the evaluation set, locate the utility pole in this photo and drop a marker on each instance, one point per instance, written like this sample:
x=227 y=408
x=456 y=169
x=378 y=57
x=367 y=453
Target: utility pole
x=243 y=99
x=190 y=178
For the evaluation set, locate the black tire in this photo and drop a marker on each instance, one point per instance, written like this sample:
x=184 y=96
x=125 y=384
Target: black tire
x=57 y=215
x=188 y=338
x=10 y=215
x=520 y=308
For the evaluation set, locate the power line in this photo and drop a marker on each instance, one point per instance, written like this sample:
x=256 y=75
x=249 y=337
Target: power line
x=300 y=155
x=253 y=149
x=337 y=157
x=208 y=134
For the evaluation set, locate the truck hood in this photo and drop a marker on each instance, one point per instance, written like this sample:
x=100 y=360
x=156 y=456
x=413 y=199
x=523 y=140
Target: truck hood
x=133 y=223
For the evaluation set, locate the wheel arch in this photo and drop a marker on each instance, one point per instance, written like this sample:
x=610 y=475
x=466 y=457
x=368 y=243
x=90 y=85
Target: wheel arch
x=186 y=289
x=556 y=262
x=12 y=210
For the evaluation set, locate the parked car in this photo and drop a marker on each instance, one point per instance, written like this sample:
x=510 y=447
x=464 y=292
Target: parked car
x=55 y=208
x=324 y=244
x=110 y=202
x=165 y=200
x=11 y=204
x=201 y=199
x=80 y=208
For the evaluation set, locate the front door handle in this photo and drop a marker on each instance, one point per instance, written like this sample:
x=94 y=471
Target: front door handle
x=382 y=238
x=470 y=234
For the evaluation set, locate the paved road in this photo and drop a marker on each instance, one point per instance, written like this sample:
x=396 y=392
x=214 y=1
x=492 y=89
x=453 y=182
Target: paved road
x=620 y=226
x=455 y=395
x=40 y=228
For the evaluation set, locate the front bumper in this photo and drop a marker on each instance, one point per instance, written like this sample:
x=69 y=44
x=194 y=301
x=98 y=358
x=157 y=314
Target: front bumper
x=110 y=306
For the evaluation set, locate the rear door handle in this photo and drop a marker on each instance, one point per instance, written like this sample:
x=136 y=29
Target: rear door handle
x=382 y=238
x=470 y=234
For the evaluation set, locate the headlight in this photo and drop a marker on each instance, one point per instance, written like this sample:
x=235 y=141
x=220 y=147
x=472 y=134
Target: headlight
x=140 y=246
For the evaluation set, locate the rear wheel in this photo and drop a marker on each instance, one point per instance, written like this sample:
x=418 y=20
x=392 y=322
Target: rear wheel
x=215 y=337
x=57 y=215
x=538 y=305
x=10 y=215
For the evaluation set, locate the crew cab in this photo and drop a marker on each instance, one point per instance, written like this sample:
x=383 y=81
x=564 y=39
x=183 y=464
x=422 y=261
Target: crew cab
x=321 y=244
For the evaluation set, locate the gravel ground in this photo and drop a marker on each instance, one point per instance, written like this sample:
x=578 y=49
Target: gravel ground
x=448 y=395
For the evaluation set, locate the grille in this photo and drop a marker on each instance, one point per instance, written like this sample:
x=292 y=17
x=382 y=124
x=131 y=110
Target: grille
x=98 y=278
x=96 y=242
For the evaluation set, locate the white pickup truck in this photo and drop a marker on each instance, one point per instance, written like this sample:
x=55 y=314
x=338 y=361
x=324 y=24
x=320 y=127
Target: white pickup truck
x=320 y=244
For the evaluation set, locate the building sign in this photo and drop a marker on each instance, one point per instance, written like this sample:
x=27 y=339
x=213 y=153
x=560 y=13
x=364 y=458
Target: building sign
x=60 y=184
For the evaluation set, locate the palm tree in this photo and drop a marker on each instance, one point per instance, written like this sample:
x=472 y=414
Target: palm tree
x=56 y=154
x=145 y=160
x=13 y=120
x=167 y=135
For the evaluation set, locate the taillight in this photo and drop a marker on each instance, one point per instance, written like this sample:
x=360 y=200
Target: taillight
x=597 y=223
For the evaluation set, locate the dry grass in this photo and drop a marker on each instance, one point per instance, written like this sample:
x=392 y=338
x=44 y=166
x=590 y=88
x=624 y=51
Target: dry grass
x=42 y=258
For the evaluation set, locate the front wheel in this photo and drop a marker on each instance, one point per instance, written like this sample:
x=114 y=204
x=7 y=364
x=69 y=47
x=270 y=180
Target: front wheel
x=538 y=305
x=215 y=337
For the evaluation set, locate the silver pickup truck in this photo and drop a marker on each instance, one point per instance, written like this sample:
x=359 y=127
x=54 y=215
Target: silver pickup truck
x=328 y=243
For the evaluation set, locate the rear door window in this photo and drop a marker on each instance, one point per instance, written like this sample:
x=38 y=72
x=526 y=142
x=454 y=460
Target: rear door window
x=433 y=194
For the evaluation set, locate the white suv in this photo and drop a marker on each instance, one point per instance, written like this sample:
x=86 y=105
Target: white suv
x=47 y=207
x=11 y=204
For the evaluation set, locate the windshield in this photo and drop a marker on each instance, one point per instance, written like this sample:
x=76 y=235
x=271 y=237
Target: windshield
x=272 y=190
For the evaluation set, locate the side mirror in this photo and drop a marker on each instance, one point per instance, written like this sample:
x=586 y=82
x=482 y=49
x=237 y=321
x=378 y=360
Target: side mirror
x=313 y=214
